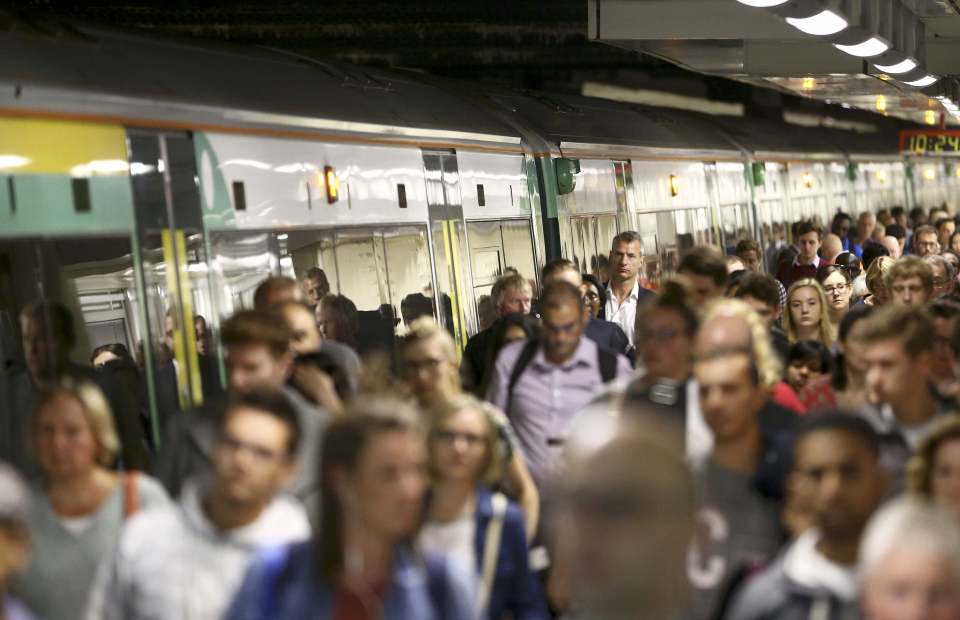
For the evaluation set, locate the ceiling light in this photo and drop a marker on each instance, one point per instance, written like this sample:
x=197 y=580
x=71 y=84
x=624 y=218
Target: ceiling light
x=926 y=80
x=901 y=67
x=822 y=24
x=763 y=4
x=871 y=47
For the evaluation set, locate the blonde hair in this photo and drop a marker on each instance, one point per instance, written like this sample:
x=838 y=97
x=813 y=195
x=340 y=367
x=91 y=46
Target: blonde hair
x=876 y=272
x=494 y=466
x=96 y=409
x=827 y=336
x=768 y=365
x=924 y=460
x=426 y=328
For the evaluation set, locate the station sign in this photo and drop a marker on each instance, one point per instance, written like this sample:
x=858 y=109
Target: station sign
x=930 y=141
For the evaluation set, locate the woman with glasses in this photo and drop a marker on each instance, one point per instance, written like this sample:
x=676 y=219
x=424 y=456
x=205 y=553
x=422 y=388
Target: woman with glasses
x=478 y=528
x=807 y=316
x=594 y=294
x=836 y=286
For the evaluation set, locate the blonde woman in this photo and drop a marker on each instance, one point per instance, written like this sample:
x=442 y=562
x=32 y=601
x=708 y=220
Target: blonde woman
x=807 y=316
x=76 y=515
x=934 y=471
x=474 y=525
x=876 y=273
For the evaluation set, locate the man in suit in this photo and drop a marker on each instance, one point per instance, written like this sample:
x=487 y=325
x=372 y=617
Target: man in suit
x=625 y=292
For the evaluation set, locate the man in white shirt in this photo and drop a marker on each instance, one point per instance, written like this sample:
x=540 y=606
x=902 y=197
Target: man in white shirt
x=624 y=290
x=187 y=560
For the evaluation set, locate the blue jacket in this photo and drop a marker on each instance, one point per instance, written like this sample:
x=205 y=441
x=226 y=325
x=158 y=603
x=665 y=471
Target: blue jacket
x=281 y=585
x=516 y=592
x=607 y=335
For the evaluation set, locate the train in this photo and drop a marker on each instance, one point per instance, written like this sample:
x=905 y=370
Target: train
x=147 y=180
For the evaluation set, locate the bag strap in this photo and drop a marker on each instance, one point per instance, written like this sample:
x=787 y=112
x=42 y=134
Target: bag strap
x=526 y=356
x=491 y=551
x=438 y=584
x=607 y=362
x=131 y=494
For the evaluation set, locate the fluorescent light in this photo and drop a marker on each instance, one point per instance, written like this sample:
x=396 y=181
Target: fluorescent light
x=871 y=47
x=926 y=80
x=822 y=24
x=763 y=4
x=901 y=67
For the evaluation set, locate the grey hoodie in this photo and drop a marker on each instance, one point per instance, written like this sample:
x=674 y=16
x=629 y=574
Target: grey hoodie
x=801 y=584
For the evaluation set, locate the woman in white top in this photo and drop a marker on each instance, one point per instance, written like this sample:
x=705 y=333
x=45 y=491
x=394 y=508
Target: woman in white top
x=76 y=516
x=478 y=529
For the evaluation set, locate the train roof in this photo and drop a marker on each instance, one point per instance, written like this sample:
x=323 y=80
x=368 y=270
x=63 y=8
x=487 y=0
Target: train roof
x=103 y=62
x=146 y=78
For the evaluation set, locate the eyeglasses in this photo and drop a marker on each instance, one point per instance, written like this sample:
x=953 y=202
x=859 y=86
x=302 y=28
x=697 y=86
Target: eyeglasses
x=940 y=282
x=451 y=437
x=835 y=290
x=592 y=296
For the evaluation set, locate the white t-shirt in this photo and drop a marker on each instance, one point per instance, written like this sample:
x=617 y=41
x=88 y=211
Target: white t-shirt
x=453 y=539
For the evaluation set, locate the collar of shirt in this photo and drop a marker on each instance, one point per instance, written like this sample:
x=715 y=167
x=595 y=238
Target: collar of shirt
x=634 y=294
x=585 y=355
x=815 y=263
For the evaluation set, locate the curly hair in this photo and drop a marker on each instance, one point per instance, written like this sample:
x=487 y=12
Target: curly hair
x=769 y=367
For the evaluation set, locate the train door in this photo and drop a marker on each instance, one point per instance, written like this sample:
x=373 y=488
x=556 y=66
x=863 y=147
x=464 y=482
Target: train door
x=445 y=211
x=496 y=245
x=731 y=195
x=770 y=195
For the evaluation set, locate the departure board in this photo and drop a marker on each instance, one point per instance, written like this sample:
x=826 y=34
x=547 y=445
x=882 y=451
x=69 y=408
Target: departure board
x=930 y=141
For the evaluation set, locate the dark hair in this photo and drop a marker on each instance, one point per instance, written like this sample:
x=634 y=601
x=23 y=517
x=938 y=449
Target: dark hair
x=849 y=262
x=805 y=227
x=273 y=402
x=760 y=286
x=704 y=260
x=806 y=350
x=589 y=278
x=854 y=315
x=315 y=273
x=872 y=250
x=118 y=349
x=261 y=296
x=897 y=211
x=344 y=444
x=558 y=293
x=942 y=221
x=627 y=236
x=256 y=327
x=734 y=279
x=556 y=266
x=672 y=298
x=840 y=216
x=944 y=308
x=838 y=421
x=747 y=245
x=530 y=325
x=826 y=271
x=896 y=231
x=345 y=318
x=53 y=316
x=331 y=365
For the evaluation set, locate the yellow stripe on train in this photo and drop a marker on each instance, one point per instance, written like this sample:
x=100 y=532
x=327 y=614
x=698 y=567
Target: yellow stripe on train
x=42 y=146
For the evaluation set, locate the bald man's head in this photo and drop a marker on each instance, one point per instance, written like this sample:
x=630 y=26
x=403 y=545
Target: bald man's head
x=722 y=332
x=832 y=245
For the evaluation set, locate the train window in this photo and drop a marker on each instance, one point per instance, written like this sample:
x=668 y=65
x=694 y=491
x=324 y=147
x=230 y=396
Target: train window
x=481 y=199
x=12 y=192
x=606 y=230
x=81 y=194
x=239 y=196
x=402 y=195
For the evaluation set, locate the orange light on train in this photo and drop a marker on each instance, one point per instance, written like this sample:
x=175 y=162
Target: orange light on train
x=332 y=184
x=674 y=185
x=808 y=179
x=882 y=176
x=930 y=117
x=929 y=173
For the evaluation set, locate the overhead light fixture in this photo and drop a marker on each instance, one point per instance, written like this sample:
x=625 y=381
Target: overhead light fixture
x=926 y=80
x=904 y=66
x=763 y=4
x=874 y=46
x=823 y=24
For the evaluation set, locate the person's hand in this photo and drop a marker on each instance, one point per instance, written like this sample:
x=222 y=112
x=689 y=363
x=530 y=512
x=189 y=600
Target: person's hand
x=318 y=387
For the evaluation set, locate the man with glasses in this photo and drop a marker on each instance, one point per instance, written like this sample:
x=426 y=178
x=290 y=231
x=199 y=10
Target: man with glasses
x=925 y=241
x=943 y=275
x=187 y=560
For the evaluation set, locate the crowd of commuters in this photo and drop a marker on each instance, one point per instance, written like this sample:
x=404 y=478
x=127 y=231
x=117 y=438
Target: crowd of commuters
x=771 y=434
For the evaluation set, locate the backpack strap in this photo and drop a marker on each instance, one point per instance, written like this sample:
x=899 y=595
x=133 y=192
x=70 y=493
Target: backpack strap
x=607 y=362
x=491 y=551
x=274 y=561
x=131 y=494
x=438 y=584
x=526 y=356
